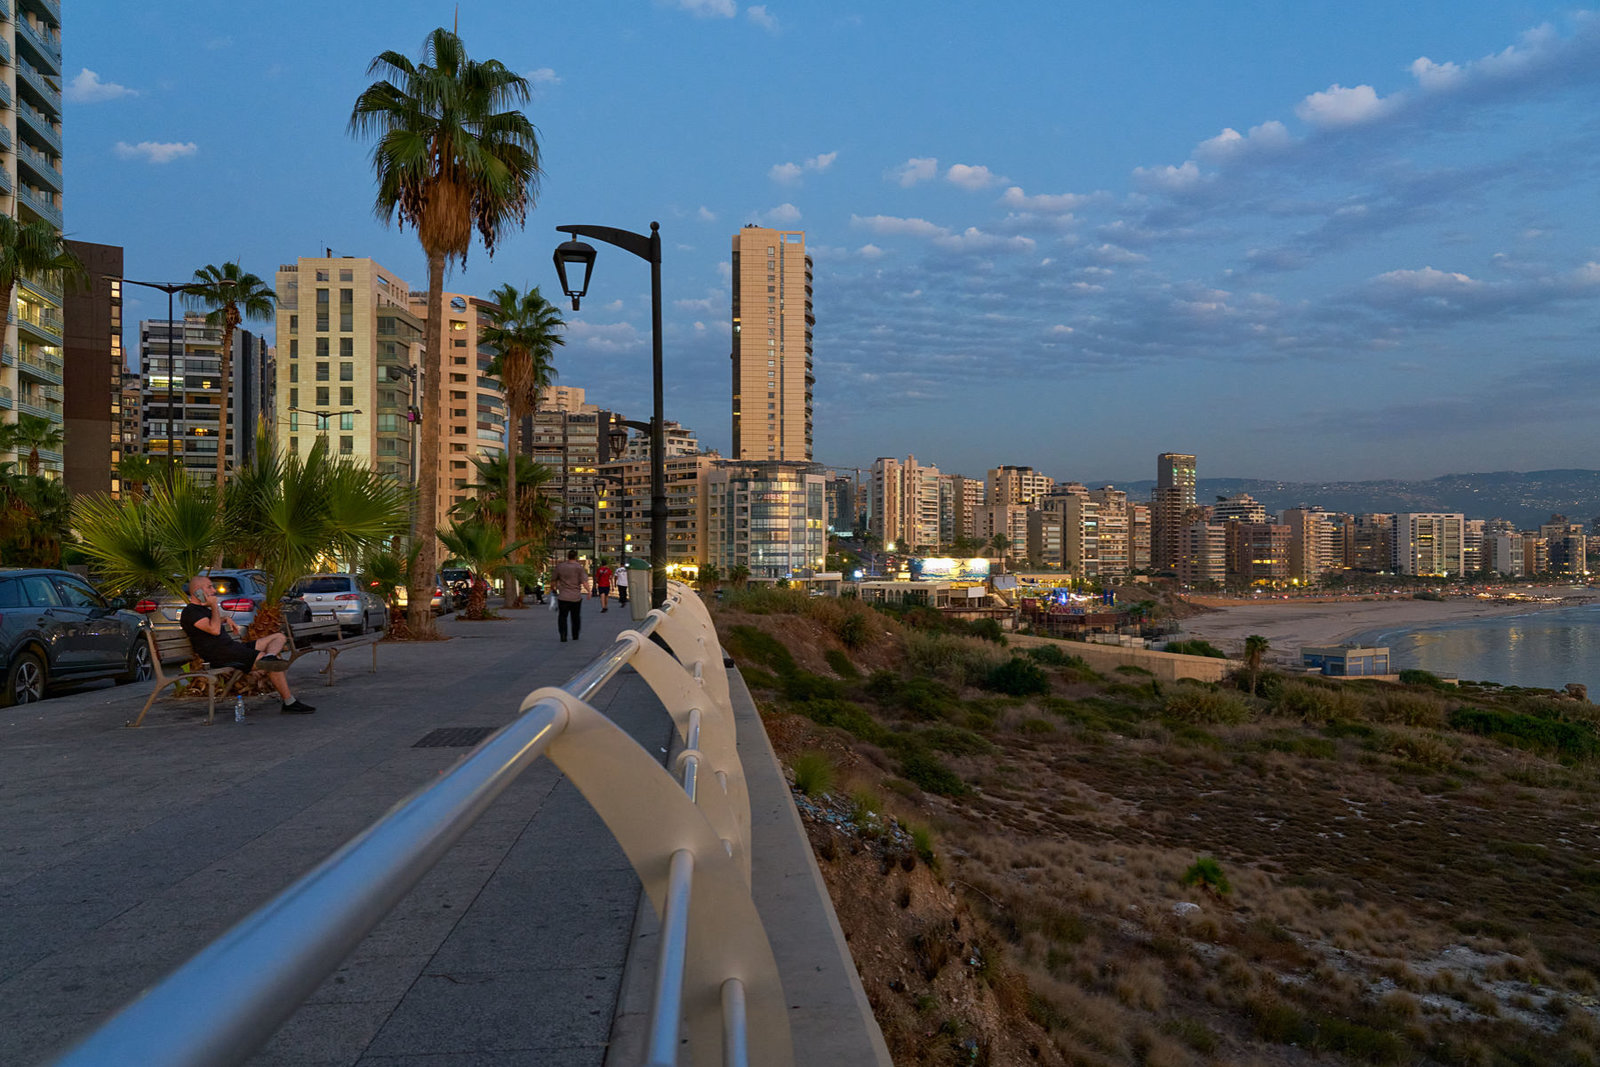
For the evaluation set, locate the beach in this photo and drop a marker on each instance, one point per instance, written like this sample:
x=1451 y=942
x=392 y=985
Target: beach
x=1289 y=625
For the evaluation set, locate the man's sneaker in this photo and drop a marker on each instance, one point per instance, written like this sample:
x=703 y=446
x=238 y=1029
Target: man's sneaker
x=299 y=707
x=271 y=663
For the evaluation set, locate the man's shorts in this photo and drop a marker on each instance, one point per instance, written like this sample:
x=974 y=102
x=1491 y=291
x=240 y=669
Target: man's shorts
x=239 y=655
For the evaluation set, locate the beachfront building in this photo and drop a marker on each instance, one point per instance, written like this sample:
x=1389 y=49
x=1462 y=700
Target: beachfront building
x=772 y=325
x=905 y=504
x=1170 y=508
x=1202 y=553
x=1258 y=552
x=1503 y=554
x=1241 y=507
x=1429 y=543
x=1345 y=661
x=1566 y=547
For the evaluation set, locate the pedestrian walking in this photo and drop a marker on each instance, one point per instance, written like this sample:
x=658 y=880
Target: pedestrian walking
x=602 y=584
x=620 y=580
x=569 y=581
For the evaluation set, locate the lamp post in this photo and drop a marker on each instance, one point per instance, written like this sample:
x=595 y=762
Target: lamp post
x=183 y=335
x=576 y=253
x=323 y=417
x=413 y=413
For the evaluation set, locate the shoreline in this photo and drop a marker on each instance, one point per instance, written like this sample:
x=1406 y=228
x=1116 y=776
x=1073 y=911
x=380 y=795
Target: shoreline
x=1289 y=625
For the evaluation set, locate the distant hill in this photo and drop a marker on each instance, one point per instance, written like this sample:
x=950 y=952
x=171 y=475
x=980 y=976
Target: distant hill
x=1526 y=498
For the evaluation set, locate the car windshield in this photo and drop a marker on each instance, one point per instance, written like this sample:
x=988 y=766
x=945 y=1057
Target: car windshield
x=323 y=584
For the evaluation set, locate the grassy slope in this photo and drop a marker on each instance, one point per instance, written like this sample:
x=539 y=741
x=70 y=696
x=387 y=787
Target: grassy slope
x=1403 y=887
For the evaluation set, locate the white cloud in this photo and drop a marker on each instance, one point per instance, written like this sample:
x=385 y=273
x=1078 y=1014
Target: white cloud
x=758 y=14
x=821 y=162
x=709 y=9
x=1428 y=280
x=915 y=170
x=1060 y=330
x=155 y=151
x=1110 y=253
x=869 y=251
x=1337 y=106
x=87 y=88
x=1431 y=75
x=971 y=178
x=973 y=239
x=544 y=76
x=1168 y=179
x=707 y=304
x=605 y=337
x=790 y=173
x=1043 y=203
x=782 y=215
x=705 y=214
x=893 y=226
x=1270 y=136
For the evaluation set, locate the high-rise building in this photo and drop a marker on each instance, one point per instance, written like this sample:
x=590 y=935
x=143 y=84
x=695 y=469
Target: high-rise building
x=1017 y=485
x=349 y=355
x=181 y=362
x=31 y=362
x=772 y=370
x=1374 y=543
x=1115 y=548
x=1566 y=547
x=1138 y=536
x=1202 y=553
x=1241 y=507
x=1174 y=496
x=92 y=372
x=768 y=517
x=132 y=409
x=1310 y=542
x=1428 y=543
x=1257 y=551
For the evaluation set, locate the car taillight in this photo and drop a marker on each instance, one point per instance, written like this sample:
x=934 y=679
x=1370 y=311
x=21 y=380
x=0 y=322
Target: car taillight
x=239 y=603
x=348 y=596
x=145 y=607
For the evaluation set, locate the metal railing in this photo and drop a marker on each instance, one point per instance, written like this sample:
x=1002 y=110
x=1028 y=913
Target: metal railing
x=687 y=837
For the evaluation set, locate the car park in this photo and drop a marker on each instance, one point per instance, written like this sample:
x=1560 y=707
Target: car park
x=54 y=627
x=344 y=596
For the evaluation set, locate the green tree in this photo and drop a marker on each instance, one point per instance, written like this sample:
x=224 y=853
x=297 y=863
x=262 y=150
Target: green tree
x=28 y=436
x=484 y=551
x=385 y=570
x=526 y=332
x=34 y=519
x=136 y=472
x=708 y=577
x=452 y=155
x=229 y=295
x=1255 y=649
x=739 y=574
x=487 y=504
x=157 y=541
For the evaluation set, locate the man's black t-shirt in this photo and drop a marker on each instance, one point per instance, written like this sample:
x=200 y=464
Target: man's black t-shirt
x=219 y=650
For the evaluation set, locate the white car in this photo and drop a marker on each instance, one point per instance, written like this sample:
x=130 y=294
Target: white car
x=342 y=596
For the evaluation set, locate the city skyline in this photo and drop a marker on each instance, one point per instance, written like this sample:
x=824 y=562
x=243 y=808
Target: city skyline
x=1299 y=245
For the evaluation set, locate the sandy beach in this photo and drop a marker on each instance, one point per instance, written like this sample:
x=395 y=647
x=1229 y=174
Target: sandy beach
x=1291 y=624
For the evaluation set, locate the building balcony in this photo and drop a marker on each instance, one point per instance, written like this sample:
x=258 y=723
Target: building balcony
x=33 y=404
x=8 y=357
x=40 y=203
x=5 y=50
x=42 y=93
x=39 y=368
x=5 y=96
x=46 y=328
x=5 y=181
x=38 y=168
x=38 y=46
x=48 y=8
x=6 y=401
x=32 y=121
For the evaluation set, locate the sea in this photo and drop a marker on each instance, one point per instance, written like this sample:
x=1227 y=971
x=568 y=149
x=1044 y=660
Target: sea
x=1546 y=648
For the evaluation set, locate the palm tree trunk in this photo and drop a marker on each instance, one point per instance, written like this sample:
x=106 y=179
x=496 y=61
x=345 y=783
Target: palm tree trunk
x=425 y=523
x=513 y=590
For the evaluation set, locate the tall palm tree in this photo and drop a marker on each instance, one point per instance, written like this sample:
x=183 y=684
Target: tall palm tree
x=526 y=332
x=453 y=154
x=1255 y=649
x=487 y=504
x=28 y=435
x=485 y=552
x=229 y=295
x=35 y=518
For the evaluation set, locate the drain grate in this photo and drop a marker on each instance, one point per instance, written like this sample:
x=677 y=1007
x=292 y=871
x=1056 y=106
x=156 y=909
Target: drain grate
x=455 y=737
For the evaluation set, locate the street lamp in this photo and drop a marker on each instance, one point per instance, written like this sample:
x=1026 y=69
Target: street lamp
x=577 y=253
x=323 y=416
x=183 y=334
x=413 y=413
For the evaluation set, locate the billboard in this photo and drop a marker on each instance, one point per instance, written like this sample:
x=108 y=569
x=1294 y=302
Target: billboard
x=946 y=569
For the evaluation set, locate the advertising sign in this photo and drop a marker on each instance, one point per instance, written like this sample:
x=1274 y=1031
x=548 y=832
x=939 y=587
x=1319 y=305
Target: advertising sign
x=946 y=569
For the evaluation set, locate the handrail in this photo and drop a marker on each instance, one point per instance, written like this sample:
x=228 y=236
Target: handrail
x=688 y=839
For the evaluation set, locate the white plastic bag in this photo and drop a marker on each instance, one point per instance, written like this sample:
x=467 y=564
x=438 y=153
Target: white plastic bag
x=552 y=602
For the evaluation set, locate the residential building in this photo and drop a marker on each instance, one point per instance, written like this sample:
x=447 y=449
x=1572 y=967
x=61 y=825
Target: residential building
x=772 y=322
x=1310 y=542
x=1009 y=521
x=767 y=517
x=624 y=510
x=1115 y=547
x=1045 y=533
x=1016 y=485
x=841 y=498
x=1503 y=554
x=573 y=445
x=1239 y=508
x=1258 y=551
x=350 y=364
x=1139 y=537
x=1535 y=554
x=678 y=439
x=1473 y=532
x=181 y=407
x=92 y=372
x=1428 y=543
x=1202 y=553
x=905 y=504
x=1373 y=538
x=31 y=359
x=1566 y=547
x=132 y=408
x=1174 y=496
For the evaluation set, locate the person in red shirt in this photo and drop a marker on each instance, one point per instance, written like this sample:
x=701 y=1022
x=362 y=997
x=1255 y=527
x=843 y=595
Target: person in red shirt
x=602 y=584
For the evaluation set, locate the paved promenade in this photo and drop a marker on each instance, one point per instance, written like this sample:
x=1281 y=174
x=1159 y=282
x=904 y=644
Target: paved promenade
x=124 y=851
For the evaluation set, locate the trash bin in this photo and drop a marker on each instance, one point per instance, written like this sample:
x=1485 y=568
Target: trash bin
x=639 y=588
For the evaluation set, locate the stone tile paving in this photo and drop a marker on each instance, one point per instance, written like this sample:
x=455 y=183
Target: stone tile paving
x=124 y=851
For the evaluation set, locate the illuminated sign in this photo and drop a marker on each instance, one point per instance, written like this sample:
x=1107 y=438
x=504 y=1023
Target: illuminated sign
x=946 y=569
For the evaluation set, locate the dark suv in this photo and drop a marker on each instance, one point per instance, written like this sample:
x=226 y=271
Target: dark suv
x=55 y=628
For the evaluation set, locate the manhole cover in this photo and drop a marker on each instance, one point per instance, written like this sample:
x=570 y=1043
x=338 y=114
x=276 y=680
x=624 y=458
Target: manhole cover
x=455 y=737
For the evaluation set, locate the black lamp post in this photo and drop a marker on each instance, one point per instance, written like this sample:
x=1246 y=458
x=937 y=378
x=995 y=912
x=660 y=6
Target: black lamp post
x=183 y=334
x=323 y=416
x=575 y=253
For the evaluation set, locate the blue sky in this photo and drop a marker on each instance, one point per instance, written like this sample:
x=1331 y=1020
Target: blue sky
x=1303 y=241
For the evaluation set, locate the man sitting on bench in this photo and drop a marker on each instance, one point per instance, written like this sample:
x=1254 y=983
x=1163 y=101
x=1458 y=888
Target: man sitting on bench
x=203 y=621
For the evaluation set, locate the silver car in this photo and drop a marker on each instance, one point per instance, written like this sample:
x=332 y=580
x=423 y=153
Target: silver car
x=241 y=593
x=358 y=609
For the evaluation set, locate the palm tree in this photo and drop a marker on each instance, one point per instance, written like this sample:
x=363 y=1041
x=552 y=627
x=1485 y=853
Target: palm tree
x=29 y=434
x=229 y=295
x=485 y=552
x=157 y=541
x=739 y=574
x=708 y=577
x=35 y=516
x=1255 y=649
x=385 y=570
x=526 y=332
x=136 y=470
x=452 y=155
x=534 y=517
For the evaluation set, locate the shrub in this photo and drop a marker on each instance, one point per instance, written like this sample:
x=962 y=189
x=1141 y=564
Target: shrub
x=1017 y=677
x=1037 y=726
x=864 y=806
x=758 y=646
x=930 y=773
x=955 y=740
x=840 y=664
x=763 y=600
x=922 y=844
x=1411 y=709
x=854 y=630
x=1206 y=873
x=1195 y=647
x=1052 y=656
x=847 y=716
x=803 y=685
x=1420 y=747
x=1569 y=741
x=1195 y=704
x=987 y=630
x=1297 y=700
x=955 y=659
x=1416 y=677
x=813 y=773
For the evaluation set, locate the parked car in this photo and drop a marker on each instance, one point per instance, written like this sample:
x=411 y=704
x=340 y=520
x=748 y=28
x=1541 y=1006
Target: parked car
x=458 y=580
x=402 y=597
x=241 y=593
x=55 y=628
x=342 y=595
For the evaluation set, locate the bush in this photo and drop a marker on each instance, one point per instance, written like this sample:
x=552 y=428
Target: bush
x=854 y=630
x=930 y=773
x=803 y=685
x=1411 y=709
x=1195 y=647
x=763 y=600
x=955 y=740
x=840 y=664
x=924 y=699
x=1416 y=677
x=1195 y=704
x=1052 y=656
x=987 y=630
x=758 y=646
x=1206 y=873
x=1017 y=677
x=956 y=659
x=852 y=718
x=922 y=843
x=813 y=773
x=1570 y=741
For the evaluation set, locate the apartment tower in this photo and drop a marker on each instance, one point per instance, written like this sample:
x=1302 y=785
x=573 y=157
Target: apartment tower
x=772 y=322
x=30 y=179
x=1169 y=508
x=93 y=368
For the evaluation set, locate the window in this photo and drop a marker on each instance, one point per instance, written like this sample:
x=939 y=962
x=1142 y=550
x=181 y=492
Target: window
x=347 y=372
x=294 y=444
x=38 y=591
x=77 y=595
x=294 y=349
x=322 y=395
x=347 y=275
x=294 y=422
x=347 y=396
x=294 y=323
x=322 y=348
x=322 y=275
x=347 y=446
x=294 y=372
x=388 y=423
x=322 y=306
x=347 y=421
x=347 y=348
x=322 y=372
x=294 y=398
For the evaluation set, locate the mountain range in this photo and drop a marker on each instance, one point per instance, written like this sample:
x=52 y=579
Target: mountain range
x=1527 y=498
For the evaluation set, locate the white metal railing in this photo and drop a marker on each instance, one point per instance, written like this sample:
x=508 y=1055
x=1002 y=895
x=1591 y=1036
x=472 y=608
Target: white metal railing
x=686 y=835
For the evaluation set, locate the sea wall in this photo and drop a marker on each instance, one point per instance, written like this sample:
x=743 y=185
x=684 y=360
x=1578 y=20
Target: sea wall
x=1166 y=666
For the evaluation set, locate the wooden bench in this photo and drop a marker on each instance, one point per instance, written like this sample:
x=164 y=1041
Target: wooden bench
x=300 y=635
x=170 y=645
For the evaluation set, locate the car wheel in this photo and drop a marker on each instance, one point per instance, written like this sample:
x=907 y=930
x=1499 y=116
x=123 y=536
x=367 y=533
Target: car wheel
x=139 y=667
x=25 y=681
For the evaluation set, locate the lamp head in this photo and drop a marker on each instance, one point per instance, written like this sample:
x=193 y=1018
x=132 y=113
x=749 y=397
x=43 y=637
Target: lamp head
x=619 y=440
x=575 y=253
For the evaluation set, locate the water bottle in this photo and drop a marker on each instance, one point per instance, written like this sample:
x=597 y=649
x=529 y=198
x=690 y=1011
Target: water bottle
x=238 y=707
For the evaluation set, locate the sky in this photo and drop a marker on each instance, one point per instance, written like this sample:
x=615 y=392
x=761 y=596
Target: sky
x=1307 y=241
